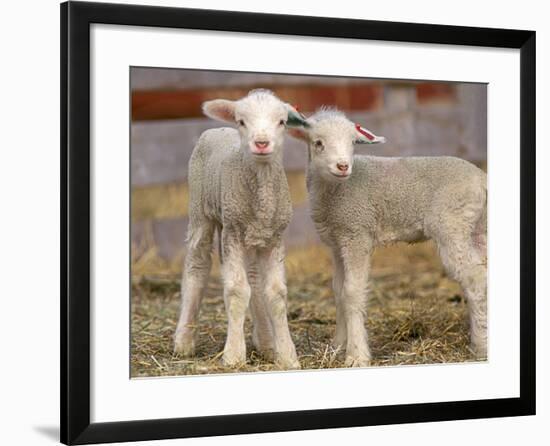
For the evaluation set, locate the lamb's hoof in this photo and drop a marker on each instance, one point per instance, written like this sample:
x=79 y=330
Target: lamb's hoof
x=265 y=349
x=233 y=359
x=357 y=361
x=184 y=347
x=288 y=363
x=267 y=354
x=480 y=352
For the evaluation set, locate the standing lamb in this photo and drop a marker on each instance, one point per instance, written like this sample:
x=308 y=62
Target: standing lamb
x=387 y=200
x=238 y=187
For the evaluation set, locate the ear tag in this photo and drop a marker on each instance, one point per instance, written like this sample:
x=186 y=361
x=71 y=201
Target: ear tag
x=367 y=136
x=296 y=119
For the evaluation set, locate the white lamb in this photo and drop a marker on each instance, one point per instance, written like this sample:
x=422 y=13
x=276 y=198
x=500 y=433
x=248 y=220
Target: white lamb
x=387 y=200
x=238 y=187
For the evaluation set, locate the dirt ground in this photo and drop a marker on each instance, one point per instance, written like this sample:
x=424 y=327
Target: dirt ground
x=416 y=315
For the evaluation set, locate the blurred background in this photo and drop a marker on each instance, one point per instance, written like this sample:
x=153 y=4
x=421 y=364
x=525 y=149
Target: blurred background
x=416 y=315
x=417 y=118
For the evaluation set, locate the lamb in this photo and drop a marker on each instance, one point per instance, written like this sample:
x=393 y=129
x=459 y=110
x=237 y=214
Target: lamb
x=387 y=200
x=238 y=187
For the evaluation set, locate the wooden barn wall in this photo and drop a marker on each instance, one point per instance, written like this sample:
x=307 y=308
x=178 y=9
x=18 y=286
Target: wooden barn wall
x=417 y=118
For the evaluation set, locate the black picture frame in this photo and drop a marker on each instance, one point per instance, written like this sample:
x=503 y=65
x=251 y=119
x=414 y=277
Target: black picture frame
x=76 y=18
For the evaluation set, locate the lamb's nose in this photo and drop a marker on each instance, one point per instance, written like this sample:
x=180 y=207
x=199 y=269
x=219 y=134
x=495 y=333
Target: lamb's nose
x=261 y=144
x=342 y=166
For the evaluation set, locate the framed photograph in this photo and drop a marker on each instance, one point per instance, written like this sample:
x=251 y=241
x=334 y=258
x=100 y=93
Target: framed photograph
x=275 y=223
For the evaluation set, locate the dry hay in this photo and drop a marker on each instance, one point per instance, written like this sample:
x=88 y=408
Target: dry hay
x=415 y=315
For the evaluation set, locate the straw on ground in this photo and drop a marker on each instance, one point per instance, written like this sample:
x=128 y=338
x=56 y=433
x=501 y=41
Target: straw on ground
x=416 y=315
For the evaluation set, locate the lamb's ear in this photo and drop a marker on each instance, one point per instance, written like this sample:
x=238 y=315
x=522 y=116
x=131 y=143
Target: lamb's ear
x=295 y=118
x=298 y=133
x=220 y=109
x=365 y=136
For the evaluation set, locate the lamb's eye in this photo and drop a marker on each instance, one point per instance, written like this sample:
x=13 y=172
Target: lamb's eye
x=241 y=123
x=282 y=122
x=319 y=145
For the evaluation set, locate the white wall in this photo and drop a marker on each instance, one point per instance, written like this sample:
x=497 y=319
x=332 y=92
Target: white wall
x=29 y=184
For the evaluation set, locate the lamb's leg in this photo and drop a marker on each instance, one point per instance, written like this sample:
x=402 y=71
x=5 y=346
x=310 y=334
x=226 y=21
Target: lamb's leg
x=194 y=278
x=275 y=294
x=262 y=334
x=356 y=262
x=340 y=336
x=236 y=297
x=464 y=263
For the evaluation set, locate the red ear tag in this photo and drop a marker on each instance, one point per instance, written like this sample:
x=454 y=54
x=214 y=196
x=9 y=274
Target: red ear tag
x=363 y=132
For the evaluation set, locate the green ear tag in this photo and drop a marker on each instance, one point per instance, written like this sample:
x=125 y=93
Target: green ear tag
x=296 y=119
